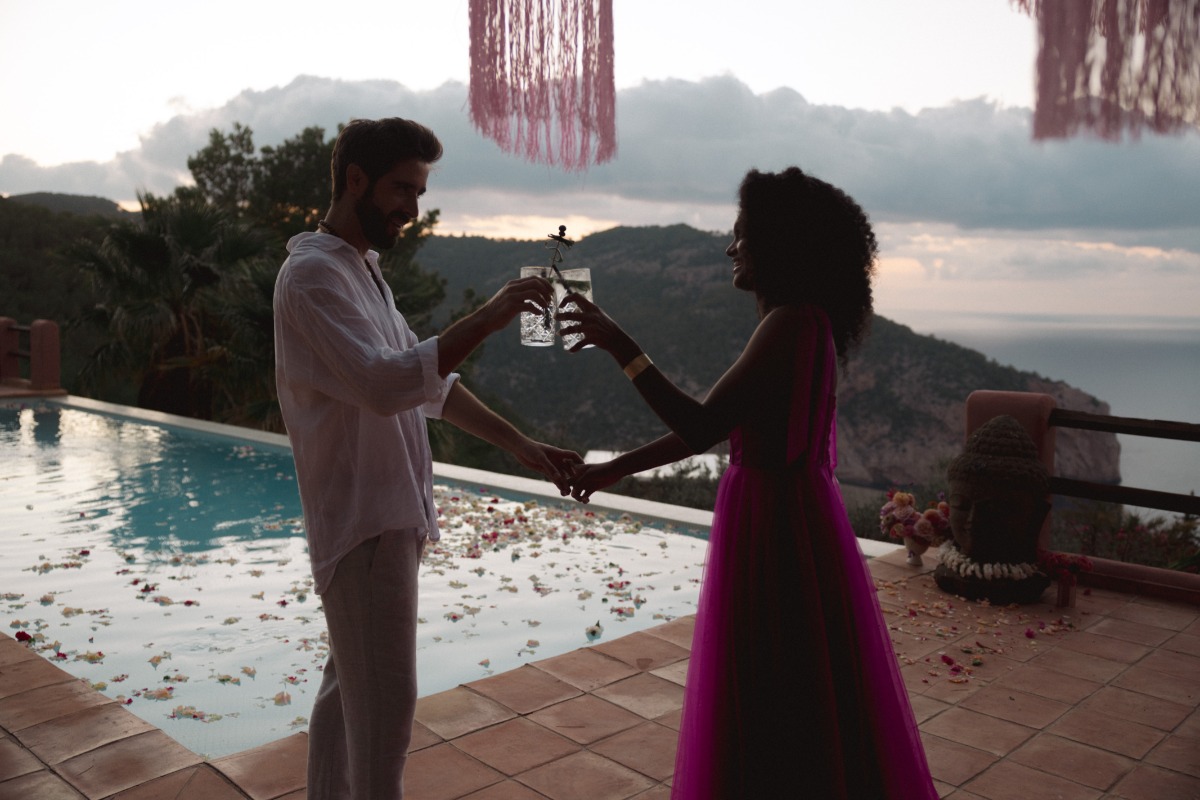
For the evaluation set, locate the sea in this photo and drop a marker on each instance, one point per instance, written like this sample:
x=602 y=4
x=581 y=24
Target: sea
x=1147 y=367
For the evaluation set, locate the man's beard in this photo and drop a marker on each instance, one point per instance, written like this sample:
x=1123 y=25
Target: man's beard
x=374 y=225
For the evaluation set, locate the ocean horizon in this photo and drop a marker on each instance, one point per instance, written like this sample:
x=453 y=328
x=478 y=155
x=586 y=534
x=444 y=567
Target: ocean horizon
x=1147 y=367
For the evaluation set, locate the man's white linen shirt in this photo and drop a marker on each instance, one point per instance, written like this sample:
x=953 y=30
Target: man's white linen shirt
x=355 y=387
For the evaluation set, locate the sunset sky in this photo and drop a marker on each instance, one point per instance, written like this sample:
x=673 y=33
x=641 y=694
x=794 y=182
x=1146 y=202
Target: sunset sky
x=919 y=109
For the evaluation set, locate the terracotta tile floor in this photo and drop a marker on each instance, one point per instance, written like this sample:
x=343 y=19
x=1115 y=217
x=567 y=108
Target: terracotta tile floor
x=1100 y=701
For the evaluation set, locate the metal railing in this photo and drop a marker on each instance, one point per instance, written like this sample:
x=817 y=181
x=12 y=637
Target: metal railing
x=1041 y=418
x=1125 y=495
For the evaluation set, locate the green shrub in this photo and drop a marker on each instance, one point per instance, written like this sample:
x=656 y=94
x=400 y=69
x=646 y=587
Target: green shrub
x=1106 y=530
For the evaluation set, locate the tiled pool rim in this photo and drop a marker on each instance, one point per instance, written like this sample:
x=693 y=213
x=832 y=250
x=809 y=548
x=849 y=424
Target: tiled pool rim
x=1058 y=720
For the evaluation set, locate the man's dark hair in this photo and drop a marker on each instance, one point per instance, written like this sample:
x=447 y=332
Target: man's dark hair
x=377 y=145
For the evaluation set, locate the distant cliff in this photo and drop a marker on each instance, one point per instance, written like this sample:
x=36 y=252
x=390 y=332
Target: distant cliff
x=900 y=401
x=901 y=410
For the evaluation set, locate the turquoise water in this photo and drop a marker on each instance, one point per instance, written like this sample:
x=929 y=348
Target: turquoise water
x=168 y=568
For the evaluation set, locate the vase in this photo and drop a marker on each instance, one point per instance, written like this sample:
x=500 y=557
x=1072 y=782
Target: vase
x=915 y=548
x=1066 y=594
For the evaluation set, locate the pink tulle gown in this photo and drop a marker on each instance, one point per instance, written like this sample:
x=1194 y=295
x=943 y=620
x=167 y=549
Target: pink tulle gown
x=793 y=689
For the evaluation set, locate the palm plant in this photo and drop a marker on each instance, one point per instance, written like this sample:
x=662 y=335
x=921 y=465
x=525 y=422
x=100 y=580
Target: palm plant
x=157 y=287
x=244 y=377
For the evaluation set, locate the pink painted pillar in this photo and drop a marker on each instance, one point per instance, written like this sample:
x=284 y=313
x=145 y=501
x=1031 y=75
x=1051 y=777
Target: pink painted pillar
x=44 y=355
x=10 y=338
x=1030 y=409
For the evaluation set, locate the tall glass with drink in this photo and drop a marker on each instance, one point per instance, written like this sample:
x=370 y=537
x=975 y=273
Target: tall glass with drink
x=577 y=281
x=538 y=328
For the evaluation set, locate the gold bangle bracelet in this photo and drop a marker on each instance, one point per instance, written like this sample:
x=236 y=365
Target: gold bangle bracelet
x=637 y=366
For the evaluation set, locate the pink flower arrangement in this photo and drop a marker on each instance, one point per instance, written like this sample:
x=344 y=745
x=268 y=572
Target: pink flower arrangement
x=901 y=519
x=1063 y=567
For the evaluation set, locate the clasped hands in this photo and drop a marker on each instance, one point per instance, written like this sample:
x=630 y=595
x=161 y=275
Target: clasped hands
x=578 y=479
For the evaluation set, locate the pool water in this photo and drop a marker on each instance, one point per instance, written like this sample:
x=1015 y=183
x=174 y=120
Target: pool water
x=168 y=568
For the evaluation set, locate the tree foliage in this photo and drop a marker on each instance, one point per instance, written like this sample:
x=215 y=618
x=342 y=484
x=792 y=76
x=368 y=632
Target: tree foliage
x=37 y=279
x=224 y=171
x=181 y=298
x=292 y=186
x=283 y=188
x=159 y=288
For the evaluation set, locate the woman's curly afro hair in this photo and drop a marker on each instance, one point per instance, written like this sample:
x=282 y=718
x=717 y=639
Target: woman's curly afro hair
x=810 y=242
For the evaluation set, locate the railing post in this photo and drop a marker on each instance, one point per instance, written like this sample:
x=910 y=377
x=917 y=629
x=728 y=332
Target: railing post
x=1030 y=409
x=10 y=345
x=44 y=371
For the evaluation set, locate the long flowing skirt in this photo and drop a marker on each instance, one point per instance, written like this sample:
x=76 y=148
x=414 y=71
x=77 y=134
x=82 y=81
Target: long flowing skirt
x=793 y=681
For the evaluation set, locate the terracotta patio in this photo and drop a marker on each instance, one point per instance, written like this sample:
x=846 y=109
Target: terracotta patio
x=1098 y=701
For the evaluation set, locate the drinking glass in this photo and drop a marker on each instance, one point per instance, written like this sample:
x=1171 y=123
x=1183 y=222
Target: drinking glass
x=537 y=329
x=578 y=281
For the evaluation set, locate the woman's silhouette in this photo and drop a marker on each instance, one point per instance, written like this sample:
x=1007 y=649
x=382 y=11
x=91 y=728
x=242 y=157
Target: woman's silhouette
x=793 y=688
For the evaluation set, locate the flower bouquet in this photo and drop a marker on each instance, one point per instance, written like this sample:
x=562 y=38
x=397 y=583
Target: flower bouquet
x=919 y=530
x=1064 y=568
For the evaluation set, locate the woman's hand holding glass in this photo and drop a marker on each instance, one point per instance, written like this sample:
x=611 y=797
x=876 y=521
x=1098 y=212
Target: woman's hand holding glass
x=595 y=328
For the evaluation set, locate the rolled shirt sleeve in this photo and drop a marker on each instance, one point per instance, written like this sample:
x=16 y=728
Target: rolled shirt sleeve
x=437 y=388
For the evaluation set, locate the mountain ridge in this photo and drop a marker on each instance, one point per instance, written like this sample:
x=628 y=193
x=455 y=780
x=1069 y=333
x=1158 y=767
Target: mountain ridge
x=83 y=205
x=901 y=399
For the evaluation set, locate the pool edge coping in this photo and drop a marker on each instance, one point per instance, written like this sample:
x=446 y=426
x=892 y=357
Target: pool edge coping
x=468 y=475
x=606 y=501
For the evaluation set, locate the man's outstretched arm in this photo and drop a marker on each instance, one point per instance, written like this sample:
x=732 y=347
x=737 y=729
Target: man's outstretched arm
x=464 y=410
x=521 y=294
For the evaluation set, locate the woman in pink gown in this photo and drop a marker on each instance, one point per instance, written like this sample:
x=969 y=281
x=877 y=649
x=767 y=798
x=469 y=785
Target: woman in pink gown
x=793 y=689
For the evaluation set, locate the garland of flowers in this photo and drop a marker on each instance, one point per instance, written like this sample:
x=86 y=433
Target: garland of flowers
x=953 y=560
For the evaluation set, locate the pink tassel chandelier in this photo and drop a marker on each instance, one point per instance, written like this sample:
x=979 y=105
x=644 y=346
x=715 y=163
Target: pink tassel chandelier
x=1110 y=66
x=542 y=79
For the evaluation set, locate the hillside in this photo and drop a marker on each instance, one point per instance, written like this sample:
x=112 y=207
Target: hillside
x=901 y=399
x=74 y=204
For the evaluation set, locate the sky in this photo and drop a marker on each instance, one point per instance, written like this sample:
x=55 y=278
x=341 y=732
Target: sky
x=920 y=109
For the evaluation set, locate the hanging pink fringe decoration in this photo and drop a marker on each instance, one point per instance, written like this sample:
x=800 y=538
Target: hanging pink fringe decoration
x=542 y=79
x=1110 y=66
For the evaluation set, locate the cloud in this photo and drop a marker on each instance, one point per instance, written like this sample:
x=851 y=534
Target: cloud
x=946 y=252
x=972 y=216
x=684 y=145
x=1082 y=272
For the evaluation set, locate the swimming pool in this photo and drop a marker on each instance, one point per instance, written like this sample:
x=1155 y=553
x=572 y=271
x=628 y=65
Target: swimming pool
x=165 y=564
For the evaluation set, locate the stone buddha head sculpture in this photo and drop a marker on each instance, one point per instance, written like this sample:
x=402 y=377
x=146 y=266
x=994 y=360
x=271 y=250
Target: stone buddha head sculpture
x=997 y=495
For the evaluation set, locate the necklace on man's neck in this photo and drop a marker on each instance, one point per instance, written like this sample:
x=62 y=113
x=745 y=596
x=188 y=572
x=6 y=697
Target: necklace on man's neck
x=327 y=228
x=322 y=224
